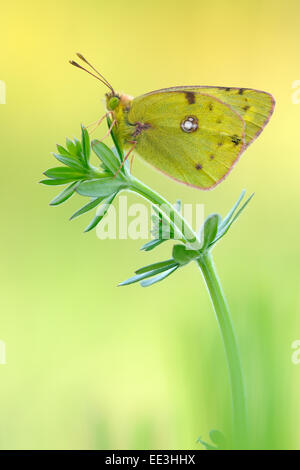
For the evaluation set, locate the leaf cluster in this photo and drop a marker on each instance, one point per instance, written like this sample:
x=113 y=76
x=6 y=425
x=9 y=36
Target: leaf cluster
x=214 y=228
x=101 y=184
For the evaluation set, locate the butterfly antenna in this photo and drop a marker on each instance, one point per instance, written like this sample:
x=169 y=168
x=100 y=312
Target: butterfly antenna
x=72 y=62
x=95 y=70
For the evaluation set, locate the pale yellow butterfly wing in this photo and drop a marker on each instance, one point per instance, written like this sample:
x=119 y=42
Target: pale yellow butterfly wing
x=254 y=106
x=200 y=157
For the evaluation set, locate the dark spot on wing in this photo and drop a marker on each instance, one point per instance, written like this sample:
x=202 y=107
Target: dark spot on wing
x=218 y=121
x=190 y=96
x=198 y=166
x=245 y=108
x=235 y=139
x=241 y=91
x=210 y=107
x=211 y=157
x=220 y=143
x=227 y=89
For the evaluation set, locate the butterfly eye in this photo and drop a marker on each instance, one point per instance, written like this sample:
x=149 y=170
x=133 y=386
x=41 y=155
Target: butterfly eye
x=189 y=124
x=113 y=103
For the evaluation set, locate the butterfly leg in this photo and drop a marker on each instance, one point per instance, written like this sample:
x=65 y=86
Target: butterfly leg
x=98 y=122
x=109 y=130
x=131 y=163
x=134 y=142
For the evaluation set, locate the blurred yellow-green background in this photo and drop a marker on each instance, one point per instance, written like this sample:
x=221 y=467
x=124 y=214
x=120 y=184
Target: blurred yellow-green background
x=92 y=366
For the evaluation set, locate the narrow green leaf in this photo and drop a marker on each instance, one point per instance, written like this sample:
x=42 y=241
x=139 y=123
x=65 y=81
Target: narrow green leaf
x=152 y=244
x=140 y=277
x=108 y=158
x=62 y=150
x=89 y=206
x=158 y=278
x=56 y=182
x=78 y=148
x=101 y=212
x=86 y=145
x=125 y=167
x=94 y=222
x=100 y=187
x=64 y=195
x=241 y=209
x=232 y=210
x=71 y=147
x=163 y=226
x=61 y=172
x=162 y=264
x=227 y=227
x=69 y=161
x=162 y=230
x=210 y=230
x=115 y=141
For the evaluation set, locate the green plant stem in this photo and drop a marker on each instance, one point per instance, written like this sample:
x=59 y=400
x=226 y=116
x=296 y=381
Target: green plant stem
x=187 y=234
x=238 y=395
x=220 y=306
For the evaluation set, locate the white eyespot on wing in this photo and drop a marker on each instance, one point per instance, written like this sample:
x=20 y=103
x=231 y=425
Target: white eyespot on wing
x=189 y=124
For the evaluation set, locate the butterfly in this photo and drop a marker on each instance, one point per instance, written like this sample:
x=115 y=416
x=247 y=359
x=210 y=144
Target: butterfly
x=194 y=134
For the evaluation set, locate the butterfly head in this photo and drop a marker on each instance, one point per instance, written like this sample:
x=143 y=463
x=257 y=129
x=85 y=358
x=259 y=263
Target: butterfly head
x=114 y=100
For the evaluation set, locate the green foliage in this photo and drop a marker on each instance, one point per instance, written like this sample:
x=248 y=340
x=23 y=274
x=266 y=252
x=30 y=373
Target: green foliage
x=157 y=272
x=101 y=187
x=110 y=161
x=231 y=217
x=86 y=146
x=100 y=184
x=213 y=229
x=87 y=207
x=118 y=149
x=101 y=212
x=210 y=230
x=64 y=195
x=75 y=157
